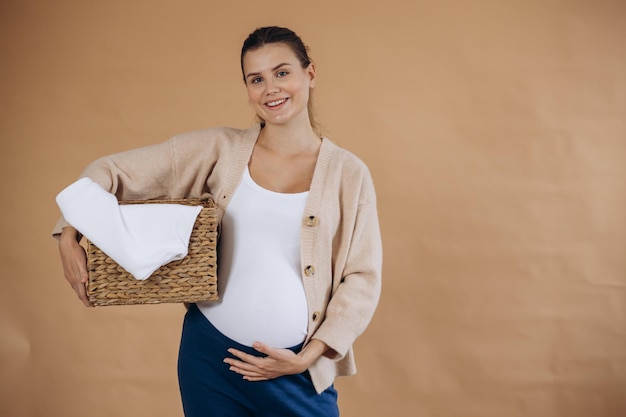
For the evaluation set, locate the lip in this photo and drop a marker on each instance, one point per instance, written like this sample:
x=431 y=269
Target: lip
x=280 y=102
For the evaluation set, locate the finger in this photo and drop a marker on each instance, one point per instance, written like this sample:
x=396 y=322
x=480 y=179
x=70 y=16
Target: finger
x=82 y=295
x=81 y=265
x=239 y=364
x=74 y=260
x=81 y=291
x=76 y=272
x=84 y=276
x=246 y=373
x=249 y=375
x=263 y=348
x=274 y=353
x=255 y=360
x=278 y=355
x=243 y=366
x=78 y=277
x=78 y=283
x=256 y=379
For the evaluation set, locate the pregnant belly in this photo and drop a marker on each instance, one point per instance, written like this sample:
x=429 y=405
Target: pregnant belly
x=250 y=311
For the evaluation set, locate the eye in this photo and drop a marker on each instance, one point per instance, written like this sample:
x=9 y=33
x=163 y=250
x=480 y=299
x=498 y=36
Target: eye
x=280 y=74
x=256 y=80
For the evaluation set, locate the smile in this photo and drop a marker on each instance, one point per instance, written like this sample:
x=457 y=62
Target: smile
x=276 y=102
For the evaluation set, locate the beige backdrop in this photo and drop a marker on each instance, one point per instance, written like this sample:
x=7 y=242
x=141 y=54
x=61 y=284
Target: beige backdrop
x=495 y=132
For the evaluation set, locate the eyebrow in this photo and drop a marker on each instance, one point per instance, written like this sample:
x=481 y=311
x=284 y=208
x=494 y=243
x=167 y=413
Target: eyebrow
x=252 y=74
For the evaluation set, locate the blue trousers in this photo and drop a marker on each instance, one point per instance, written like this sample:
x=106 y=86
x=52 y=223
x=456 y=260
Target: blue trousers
x=209 y=389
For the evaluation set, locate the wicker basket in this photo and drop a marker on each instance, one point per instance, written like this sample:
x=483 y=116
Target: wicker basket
x=191 y=279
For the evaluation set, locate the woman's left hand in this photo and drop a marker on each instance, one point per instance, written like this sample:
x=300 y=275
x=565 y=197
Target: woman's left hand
x=276 y=363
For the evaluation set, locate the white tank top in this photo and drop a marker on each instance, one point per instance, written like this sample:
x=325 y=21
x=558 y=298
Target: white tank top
x=261 y=291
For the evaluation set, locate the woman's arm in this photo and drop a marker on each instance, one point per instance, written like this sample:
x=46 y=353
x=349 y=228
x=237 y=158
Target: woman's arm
x=355 y=296
x=138 y=174
x=148 y=171
x=176 y=168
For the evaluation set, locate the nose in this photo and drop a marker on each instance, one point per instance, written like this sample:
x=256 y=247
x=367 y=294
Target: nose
x=271 y=87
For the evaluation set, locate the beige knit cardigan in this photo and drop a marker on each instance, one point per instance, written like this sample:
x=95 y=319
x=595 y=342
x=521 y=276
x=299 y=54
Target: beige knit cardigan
x=341 y=252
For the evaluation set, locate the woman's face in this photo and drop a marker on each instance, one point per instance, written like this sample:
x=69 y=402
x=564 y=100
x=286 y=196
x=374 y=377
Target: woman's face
x=278 y=86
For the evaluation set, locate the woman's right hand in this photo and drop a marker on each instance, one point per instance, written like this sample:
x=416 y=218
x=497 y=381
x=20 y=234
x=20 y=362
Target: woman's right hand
x=74 y=261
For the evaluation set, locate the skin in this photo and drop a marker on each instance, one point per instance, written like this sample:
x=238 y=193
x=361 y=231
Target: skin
x=285 y=154
x=74 y=260
x=283 y=160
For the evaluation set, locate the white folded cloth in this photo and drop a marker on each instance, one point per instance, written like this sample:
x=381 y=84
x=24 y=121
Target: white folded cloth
x=139 y=237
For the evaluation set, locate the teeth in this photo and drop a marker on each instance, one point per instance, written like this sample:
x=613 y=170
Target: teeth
x=277 y=102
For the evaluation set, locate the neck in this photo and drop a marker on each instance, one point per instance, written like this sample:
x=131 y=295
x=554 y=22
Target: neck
x=288 y=138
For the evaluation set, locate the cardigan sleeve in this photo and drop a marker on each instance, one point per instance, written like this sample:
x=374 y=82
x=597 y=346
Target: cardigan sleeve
x=141 y=173
x=149 y=172
x=354 y=300
x=186 y=166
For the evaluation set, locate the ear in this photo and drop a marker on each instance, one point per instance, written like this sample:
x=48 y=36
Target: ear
x=311 y=73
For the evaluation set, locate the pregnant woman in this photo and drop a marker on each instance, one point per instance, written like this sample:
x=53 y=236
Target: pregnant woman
x=300 y=252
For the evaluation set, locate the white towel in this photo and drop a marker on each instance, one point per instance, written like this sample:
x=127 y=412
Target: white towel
x=139 y=237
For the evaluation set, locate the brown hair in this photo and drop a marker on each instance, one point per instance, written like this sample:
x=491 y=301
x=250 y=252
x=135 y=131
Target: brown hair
x=274 y=34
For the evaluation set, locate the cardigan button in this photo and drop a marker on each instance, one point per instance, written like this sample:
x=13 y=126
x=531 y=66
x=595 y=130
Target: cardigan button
x=316 y=316
x=311 y=221
x=309 y=271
